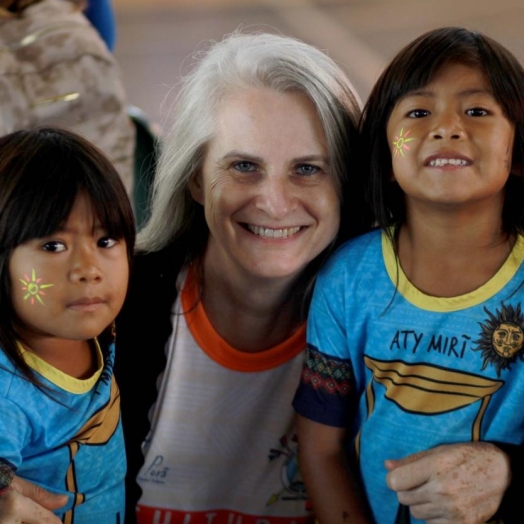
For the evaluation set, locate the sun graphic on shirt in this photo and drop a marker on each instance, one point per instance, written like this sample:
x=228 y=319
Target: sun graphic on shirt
x=34 y=288
x=502 y=337
x=401 y=143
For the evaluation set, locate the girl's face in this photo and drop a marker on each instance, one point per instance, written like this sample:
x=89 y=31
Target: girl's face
x=71 y=284
x=450 y=142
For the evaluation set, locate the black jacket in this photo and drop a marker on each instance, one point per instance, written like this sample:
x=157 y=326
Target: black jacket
x=142 y=328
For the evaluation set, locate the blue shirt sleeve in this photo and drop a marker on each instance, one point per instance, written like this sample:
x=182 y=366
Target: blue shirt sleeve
x=327 y=383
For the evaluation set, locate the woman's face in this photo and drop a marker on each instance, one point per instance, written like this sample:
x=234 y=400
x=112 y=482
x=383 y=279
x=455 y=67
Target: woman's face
x=267 y=187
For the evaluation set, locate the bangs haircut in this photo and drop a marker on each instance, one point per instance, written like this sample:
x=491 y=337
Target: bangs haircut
x=413 y=68
x=43 y=171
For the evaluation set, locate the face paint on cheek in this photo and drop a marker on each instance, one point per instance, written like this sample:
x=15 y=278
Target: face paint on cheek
x=401 y=143
x=33 y=288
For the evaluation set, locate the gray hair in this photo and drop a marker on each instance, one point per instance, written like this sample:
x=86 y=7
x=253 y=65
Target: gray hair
x=240 y=61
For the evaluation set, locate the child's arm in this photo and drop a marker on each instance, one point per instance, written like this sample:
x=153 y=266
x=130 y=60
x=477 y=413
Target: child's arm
x=330 y=483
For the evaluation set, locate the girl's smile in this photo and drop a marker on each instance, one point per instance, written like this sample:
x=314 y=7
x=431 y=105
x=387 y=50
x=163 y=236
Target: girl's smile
x=443 y=160
x=461 y=140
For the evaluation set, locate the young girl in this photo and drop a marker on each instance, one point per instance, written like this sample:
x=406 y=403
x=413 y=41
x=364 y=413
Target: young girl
x=66 y=240
x=416 y=330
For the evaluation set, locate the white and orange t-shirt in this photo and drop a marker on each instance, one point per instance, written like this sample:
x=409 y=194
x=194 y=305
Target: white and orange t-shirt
x=222 y=447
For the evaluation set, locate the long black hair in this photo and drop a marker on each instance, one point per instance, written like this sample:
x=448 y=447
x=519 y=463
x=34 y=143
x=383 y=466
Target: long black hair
x=414 y=67
x=42 y=171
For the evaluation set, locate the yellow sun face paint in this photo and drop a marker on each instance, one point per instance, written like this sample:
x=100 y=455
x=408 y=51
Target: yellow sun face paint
x=34 y=288
x=401 y=143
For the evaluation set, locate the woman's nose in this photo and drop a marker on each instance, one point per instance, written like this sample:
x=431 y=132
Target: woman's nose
x=277 y=197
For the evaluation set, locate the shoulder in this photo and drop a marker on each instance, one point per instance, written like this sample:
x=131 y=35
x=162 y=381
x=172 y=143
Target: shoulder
x=7 y=374
x=351 y=270
x=349 y=256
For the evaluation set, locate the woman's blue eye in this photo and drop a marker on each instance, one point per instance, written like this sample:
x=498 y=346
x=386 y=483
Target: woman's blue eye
x=106 y=242
x=418 y=113
x=244 y=167
x=54 y=246
x=307 y=169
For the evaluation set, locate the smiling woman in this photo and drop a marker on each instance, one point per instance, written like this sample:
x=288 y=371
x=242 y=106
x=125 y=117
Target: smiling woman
x=256 y=175
x=266 y=186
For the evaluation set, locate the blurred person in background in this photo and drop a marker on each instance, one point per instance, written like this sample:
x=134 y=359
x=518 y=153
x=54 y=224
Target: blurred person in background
x=56 y=70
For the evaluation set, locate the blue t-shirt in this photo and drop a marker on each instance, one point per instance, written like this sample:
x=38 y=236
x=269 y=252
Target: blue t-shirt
x=404 y=371
x=69 y=441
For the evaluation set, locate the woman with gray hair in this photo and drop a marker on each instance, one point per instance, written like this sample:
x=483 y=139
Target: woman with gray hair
x=257 y=182
x=256 y=174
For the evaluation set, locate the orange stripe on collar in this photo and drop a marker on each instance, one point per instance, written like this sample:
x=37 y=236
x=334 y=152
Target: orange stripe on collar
x=222 y=352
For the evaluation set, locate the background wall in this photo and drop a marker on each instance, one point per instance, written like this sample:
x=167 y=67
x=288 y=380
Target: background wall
x=156 y=37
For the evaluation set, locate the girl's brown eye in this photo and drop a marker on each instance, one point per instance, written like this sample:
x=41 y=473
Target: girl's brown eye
x=54 y=246
x=476 y=111
x=418 y=113
x=107 y=242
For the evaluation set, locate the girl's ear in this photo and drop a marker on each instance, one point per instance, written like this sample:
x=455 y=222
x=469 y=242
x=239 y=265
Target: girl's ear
x=196 y=187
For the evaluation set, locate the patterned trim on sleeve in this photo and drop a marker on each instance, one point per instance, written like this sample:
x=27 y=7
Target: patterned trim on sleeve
x=329 y=373
x=325 y=389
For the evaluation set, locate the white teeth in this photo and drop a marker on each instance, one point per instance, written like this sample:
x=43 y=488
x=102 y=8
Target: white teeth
x=273 y=233
x=439 y=162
